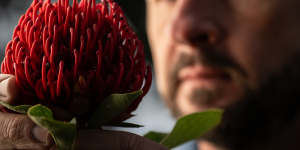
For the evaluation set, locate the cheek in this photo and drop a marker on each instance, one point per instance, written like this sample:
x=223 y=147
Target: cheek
x=246 y=50
x=158 y=17
x=163 y=59
x=160 y=60
x=259 y=53
x=262 y=41
x=159 y=55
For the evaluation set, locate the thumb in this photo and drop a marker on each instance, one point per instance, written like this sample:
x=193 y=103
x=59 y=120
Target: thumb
x=114 y=140
x=8 y=88
x=19 y=132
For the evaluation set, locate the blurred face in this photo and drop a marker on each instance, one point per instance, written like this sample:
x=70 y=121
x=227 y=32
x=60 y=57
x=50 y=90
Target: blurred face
x=210 y=53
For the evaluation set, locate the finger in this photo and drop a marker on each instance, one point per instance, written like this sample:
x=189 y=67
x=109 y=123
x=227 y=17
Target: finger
x=113 y=140
x=19 y=132
x=8 y=88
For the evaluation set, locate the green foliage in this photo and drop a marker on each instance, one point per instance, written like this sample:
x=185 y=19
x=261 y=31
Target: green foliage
x=188 y=128
x=63 y=133
x=112 y=107
x=19 y=109
x=156 y=136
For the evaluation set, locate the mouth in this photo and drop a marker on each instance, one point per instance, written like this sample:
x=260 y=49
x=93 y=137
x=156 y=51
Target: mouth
x=206 y=87
x=203 y=74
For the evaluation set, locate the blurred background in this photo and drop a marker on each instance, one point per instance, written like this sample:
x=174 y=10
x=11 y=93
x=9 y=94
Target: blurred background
x=152 y=113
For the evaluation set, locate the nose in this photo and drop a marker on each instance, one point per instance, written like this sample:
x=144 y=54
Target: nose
x=195 y=23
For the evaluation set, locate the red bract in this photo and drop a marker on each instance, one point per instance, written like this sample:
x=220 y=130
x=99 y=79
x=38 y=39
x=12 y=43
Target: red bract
x=59 y=52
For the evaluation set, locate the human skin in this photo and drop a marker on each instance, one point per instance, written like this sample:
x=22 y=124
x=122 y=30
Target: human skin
x=209 y=53
x=254 y=37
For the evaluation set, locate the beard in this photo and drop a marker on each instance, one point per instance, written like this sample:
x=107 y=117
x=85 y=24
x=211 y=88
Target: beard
x=202 y=96
x=265 y=118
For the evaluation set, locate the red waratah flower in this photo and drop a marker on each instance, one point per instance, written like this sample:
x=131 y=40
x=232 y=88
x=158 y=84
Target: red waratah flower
x=59 y=52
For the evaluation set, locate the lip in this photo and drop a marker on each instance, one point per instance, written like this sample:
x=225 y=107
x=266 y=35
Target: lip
x=202 y=73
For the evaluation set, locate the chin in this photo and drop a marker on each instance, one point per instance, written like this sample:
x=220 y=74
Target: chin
x=199 y=96
x=202 y=99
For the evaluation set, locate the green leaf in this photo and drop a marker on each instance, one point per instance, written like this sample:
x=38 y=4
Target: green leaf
x=126 y=125
x=63 y=133
x=19 y=109
x=156 y=136
x=113 y=106
x=191 y=127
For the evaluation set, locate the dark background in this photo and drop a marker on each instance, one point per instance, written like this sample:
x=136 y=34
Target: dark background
x=135 y=11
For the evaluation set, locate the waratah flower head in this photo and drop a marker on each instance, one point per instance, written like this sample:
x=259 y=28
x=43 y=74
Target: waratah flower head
x=59 y=52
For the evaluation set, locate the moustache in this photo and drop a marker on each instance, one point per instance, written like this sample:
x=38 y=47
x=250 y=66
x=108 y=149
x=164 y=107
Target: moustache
x=208 y=58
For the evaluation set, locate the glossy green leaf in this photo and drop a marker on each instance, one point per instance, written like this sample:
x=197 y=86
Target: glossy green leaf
x=19 y=109
x=191 y=127
x=63 y=133
x=156 y=136
x=112 y=107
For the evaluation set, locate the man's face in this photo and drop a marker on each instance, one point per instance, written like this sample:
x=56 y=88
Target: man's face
x=210 y=53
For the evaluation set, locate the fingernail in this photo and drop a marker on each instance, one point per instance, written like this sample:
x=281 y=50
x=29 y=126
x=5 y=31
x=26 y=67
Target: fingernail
x=3 y=87
x=8 y=90
x=41 y=134
x=5 y=76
